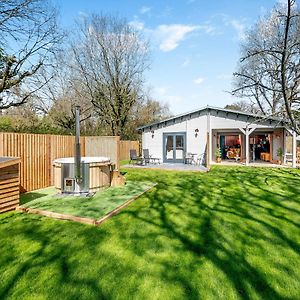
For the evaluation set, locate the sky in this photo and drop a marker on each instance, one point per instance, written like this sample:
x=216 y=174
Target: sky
x=195 y=44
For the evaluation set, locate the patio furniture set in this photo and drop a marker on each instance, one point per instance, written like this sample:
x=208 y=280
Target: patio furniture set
x=146 y=159
x=142 y=160
x=194 y=159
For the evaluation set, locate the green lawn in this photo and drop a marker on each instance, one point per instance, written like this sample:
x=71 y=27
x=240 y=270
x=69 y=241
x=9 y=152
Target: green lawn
x=94 y=207
x=232 y=233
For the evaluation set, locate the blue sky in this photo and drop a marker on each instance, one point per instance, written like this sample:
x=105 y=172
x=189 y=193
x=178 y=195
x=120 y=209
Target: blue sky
x=195 y=44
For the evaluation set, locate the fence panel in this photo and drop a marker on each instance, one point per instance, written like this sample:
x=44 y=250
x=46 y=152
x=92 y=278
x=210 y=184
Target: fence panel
x=37 y=152
x=103 y=146
x=125 y=146
x=33 y=149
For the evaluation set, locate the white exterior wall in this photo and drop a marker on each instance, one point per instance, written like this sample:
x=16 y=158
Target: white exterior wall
x=193 y=144
x=155 y=143
x=196 y=144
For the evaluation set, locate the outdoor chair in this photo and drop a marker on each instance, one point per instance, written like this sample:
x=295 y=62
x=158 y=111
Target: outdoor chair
x=148 y=158
x=188 y=159
x=134 y=158
x=200 y=159
x=288 y=157
x=233 y=153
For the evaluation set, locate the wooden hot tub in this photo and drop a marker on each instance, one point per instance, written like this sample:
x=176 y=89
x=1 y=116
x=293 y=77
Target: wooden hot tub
x=95 y=173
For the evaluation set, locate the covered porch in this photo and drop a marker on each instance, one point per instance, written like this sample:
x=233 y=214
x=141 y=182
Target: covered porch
x=255 y=146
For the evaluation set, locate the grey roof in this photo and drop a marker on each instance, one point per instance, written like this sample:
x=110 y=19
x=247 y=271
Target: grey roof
x=209 y=108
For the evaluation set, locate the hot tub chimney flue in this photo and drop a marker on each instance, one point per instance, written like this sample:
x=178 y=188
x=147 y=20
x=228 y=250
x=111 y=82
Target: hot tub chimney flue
x=78 y=176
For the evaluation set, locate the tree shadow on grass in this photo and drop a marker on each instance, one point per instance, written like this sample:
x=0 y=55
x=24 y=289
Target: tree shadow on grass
x=25 y=198
x=223 y=234
x=45 y=252
x=248 y=212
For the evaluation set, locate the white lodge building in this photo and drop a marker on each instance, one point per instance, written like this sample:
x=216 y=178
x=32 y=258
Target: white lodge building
x=235 y=135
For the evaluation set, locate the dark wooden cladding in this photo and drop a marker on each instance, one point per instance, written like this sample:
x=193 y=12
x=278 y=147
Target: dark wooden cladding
x=9 y=184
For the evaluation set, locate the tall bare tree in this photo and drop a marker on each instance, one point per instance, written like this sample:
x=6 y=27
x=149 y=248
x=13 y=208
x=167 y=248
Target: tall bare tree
x=29 y=36
x=245 y=106
x=62 y=112
x=145 y=111
x=269 y=71
x=110 y=59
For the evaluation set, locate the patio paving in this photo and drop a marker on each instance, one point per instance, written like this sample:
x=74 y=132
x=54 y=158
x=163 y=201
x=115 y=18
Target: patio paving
x=196 y=168
x=168 y=166
x=258 y=163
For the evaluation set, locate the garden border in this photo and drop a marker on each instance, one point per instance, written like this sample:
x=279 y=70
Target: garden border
x=83 y=220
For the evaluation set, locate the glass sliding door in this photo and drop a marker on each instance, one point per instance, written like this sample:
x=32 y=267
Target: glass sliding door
x=174 y=147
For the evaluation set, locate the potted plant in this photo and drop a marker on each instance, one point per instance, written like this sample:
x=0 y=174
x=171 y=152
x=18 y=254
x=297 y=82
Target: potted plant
x=218 y=154
x=279 y=155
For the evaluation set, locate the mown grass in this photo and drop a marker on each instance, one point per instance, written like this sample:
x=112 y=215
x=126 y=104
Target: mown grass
x=124 y=162
x=232 y=233
x=94 y=207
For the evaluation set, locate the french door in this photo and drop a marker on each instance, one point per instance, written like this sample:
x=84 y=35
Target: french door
x=174 y=147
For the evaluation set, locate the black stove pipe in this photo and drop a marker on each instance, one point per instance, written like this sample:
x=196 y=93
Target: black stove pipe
x=78 y=175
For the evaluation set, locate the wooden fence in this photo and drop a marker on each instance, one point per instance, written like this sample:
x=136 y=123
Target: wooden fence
x=103 y=146
x=125 y=146
x=38 y=151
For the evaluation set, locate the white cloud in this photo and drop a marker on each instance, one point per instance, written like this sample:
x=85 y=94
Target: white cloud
x=145 y=9
x=171 y=35
x=199 y=80
x=136 y=24
x=163 y=94
x=82 y=15
x=239 y=28
x=208 y=29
